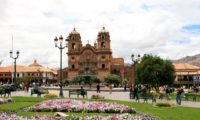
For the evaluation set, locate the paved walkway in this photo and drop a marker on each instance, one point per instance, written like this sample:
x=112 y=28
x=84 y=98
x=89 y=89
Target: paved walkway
x=114 y=95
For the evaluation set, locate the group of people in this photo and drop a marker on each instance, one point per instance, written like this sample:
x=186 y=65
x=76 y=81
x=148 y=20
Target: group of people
x=162 y=90
x=167 y=90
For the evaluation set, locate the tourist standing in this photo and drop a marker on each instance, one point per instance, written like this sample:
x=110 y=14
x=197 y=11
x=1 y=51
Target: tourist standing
x=110 y=87
x=178 y=96
x=82 y=92
x=98 y=88
x=131 y=93
x=135 y=93
x=125 y=87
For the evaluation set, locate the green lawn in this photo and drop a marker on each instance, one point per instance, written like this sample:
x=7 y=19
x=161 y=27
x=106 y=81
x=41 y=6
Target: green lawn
x=12 y=107
x=20 y=103
x=178 y=113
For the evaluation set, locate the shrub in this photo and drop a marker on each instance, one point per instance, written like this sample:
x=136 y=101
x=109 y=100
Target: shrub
x=164 y=104
x=50 y=95
x=97 y=97
x=5 y=100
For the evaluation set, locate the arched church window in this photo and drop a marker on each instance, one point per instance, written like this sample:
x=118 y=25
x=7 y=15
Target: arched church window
x=73 y=66
x=73 y=45
x=102 y=44
x=103 y=37
x=103 y=66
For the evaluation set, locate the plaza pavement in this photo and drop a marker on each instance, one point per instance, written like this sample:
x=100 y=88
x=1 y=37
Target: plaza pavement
x=115 y=95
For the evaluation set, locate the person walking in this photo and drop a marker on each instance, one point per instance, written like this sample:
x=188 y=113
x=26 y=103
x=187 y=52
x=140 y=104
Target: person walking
x=98 y=88
x=168 y=92
x=161 y=91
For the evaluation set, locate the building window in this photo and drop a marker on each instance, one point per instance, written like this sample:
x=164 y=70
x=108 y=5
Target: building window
x=73 y=46
x=103 y=37
x=114 y=71
x=72 y=58
x=103 y=66
x=103 y=57
x=102 y=45
x=17 y=74
x=73 y=66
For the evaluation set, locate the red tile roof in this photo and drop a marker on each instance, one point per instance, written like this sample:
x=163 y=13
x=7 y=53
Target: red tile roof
x=185 y=66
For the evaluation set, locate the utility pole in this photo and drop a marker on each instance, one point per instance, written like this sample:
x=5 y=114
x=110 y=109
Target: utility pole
x=1 y=62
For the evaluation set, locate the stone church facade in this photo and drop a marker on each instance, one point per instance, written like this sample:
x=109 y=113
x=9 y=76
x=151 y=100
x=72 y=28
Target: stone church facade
x=94 y=59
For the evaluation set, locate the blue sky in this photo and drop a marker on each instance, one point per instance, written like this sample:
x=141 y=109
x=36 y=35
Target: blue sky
x=192 y=29
x=169 y=28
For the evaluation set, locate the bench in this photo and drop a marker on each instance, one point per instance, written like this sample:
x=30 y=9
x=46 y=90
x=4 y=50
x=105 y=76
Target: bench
x=39 y=91
x=78 y=92
x=145 y=97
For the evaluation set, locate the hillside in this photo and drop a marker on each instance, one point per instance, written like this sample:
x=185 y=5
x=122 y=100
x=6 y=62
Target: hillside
x=194 y=60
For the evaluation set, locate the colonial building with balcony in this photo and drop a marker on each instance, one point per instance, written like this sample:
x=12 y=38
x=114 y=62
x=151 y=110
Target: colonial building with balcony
x=34 y=70
x=187 y=74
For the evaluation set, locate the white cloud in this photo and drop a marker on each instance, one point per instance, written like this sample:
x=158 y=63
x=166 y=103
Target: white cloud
x=136 y=26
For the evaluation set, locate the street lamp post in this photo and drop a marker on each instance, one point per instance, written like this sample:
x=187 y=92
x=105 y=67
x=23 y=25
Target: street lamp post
x=15 y=62
x=61 y=47
x=135 y=59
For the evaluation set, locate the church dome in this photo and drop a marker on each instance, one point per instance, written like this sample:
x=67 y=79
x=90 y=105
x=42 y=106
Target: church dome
x=35 y=64
x=103 y=30
x=74 y=31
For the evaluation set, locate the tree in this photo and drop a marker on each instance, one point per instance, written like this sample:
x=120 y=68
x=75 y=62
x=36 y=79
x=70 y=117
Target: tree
x=86 y=80
x=112 y=79
x=96 y=80
x=25 y=80
x=155 y=71
x=76 y=80
x=65 y=82
x=125 y=81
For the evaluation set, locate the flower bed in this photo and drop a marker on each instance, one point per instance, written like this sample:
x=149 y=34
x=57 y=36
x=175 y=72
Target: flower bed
x=5 y=100
x=5 y=116
x=63 y=105
x=125 y=116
